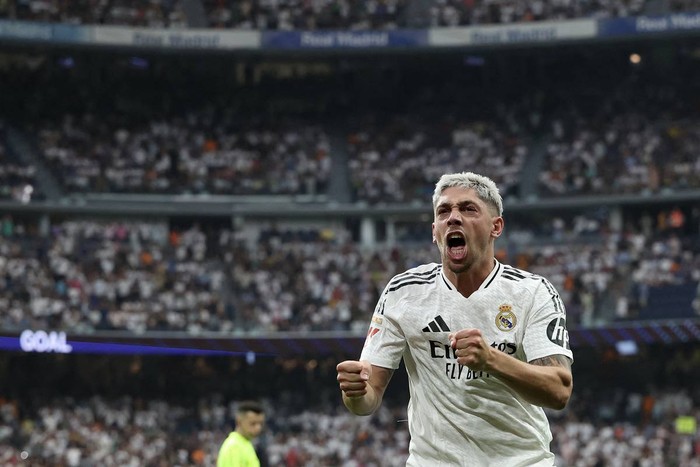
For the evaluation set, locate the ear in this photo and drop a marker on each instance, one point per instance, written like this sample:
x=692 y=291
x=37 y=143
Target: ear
x=433 y=229
x=497 y=227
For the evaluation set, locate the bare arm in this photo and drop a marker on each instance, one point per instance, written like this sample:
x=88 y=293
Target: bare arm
x=362 y=385
x=546 y=381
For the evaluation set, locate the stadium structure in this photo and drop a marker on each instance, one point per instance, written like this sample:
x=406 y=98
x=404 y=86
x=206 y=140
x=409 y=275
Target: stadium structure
x=201 y=202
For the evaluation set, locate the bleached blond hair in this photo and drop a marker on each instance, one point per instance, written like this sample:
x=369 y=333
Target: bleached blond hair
x=485 y=188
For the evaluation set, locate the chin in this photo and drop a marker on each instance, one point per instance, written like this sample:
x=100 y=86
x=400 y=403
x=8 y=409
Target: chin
x=458 y=268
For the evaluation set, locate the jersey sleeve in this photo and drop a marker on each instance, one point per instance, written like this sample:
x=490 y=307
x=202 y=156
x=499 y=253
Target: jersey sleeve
x=546 y=332
x=385 y=342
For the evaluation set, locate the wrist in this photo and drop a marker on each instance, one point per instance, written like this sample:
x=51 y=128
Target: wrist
x=491 y=362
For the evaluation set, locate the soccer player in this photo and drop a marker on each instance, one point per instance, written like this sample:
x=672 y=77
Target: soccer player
x=484 y=344
x=238 y=450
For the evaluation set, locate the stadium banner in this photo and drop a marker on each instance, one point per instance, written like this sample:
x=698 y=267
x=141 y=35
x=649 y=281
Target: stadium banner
x=46 y=341
x=344 y=39
x=625 y=337
x=641 y=25
x=43 y=32
x=554 y=31
x=175 y=38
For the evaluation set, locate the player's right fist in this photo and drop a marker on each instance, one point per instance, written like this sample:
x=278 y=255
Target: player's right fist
x=353 y=377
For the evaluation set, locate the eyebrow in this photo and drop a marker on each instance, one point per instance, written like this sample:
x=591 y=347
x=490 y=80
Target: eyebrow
x=462 y=203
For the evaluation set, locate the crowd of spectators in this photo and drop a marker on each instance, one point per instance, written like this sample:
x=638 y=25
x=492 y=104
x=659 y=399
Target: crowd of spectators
x=634 y=142
x=142 y=276
x=85 y=275
x=141 y=13
x=628 y=153
x=91 y=275
x=197 y=153
x=461 y=13
x=387 y=160
x=300 y=15
x=607 y=274
x=638 y=140
x=249 y=15
x=639 y=136
x=647 y=419
x=327 y=14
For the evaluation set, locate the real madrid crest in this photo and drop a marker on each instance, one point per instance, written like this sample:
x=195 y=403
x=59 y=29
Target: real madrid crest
x=505 y=319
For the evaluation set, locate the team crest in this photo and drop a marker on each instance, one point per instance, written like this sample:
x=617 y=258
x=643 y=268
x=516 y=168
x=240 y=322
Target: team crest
x=505 y=319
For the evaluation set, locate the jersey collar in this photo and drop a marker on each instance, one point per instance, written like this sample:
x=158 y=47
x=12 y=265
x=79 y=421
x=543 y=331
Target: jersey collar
x=497 y=268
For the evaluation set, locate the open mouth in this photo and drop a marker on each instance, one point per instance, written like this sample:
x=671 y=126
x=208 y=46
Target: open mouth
x=456 y=246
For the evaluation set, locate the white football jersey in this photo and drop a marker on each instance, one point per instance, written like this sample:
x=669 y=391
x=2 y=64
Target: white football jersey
x=460 y=417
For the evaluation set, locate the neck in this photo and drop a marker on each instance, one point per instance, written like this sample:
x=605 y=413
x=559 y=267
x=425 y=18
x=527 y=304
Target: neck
x=467 y=282
x=242 y=435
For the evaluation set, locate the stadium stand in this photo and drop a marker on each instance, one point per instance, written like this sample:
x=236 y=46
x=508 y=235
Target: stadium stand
x=83 y=276
x=177 y=411
x=327 y=14
x=17 y=180
x=192 y=154
x=312 y=175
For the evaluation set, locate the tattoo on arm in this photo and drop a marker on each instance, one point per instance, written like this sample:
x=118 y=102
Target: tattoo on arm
x=553 y=360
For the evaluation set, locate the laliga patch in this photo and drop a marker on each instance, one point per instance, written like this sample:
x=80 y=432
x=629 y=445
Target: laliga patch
x=371 y=332
x=505 y=319
x=375 y=327
x=557 y=333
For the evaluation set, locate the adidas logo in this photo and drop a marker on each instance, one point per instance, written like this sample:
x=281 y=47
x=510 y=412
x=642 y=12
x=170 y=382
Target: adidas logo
x=436 y=325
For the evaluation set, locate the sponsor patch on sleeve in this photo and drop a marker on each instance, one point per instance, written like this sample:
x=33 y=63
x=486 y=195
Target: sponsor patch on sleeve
x=557 y=333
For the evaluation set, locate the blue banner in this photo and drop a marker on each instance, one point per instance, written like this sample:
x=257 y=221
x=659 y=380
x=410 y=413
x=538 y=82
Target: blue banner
x=45 y=32
x=343 y=39
x=640 y=25
x=58 y=342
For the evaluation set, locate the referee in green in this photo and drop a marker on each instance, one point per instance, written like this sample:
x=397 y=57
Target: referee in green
x=238 y=450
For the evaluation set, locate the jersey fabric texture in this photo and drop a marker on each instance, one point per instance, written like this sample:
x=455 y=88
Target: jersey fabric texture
x=237 y=451
x=460 y=417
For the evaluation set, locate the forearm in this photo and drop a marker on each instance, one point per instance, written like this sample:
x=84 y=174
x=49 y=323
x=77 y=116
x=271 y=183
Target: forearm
x=363 y=405
x=547 y=382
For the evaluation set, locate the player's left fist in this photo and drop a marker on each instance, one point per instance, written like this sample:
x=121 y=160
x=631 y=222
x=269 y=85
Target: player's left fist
x=470 y=348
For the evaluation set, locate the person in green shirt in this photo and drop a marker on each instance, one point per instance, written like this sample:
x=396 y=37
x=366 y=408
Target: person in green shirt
x=238 y=450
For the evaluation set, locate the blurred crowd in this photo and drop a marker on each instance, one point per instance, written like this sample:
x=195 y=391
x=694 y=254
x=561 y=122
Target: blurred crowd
x=461 y=13
x=136 y=275
x=650 y=419
x=388 y=160
x=326 y=14
x=633 y=139
x=85 y=275
x=194 y=153
x=80 y=276
x=606 y=275
x=200 y=153
x=623 y=149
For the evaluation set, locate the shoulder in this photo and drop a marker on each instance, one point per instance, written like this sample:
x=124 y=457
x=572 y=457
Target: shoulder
x=517 y=275
x=525 y=283
x=236 y=441
x=409 y=287
x=422 y=275
x=524 y=278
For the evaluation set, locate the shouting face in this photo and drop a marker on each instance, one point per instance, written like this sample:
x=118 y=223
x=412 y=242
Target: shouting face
x=464 y=229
